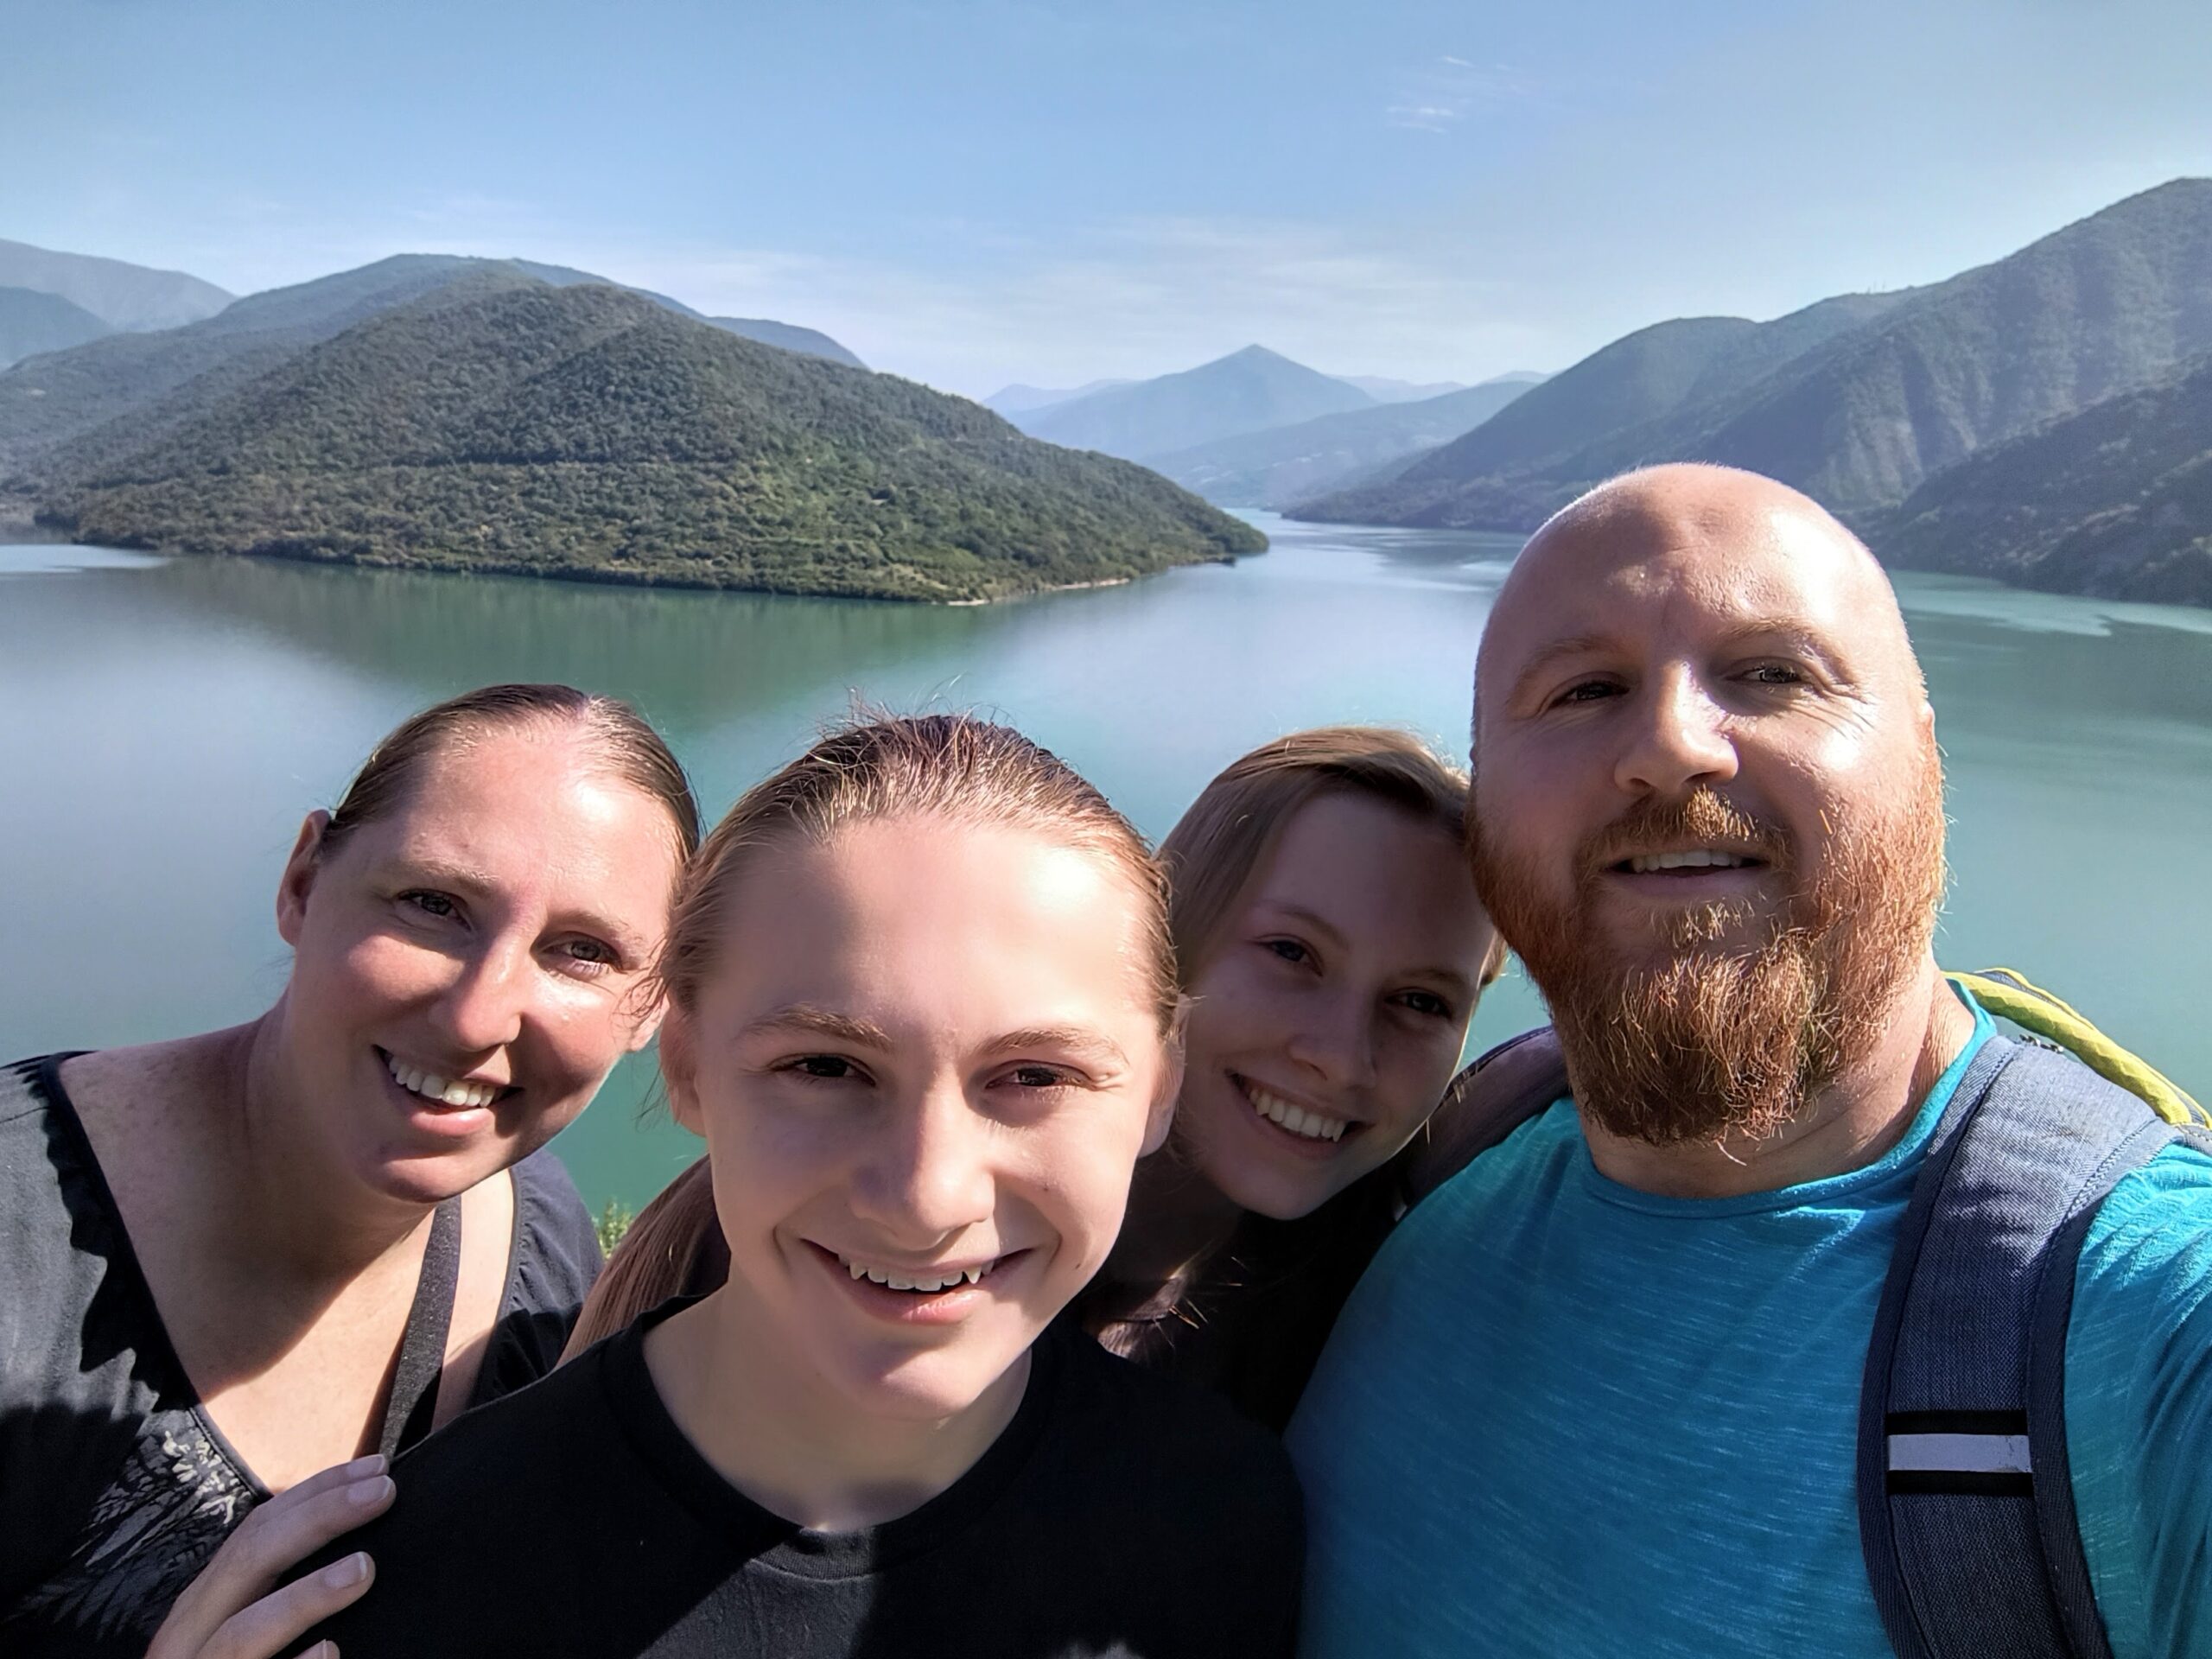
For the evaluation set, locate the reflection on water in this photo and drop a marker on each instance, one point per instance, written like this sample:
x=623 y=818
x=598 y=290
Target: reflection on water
x=163 y=724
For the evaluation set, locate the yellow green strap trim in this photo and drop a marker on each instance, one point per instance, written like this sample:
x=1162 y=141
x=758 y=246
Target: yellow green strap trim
x=2006 y=991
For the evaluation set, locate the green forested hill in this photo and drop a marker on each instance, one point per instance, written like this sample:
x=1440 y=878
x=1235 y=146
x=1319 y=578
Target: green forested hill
x=1608 y=412
x=2115 y=501
x=81 y=408
x=1868 y=400
x=586 y=432
x=113 y=395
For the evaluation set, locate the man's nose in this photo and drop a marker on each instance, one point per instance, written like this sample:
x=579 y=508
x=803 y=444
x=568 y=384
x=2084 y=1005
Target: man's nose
x=483 y=1008
x=928 y=1174
x=1679 y=741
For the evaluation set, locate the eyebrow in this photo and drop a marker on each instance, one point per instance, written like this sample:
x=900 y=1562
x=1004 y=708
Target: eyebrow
x=1072 y=1039
x=1311 y=919
x=1579 y=644
x=1451 y=978
x=803 y=1018
x=472 y=883
x=1795 y=633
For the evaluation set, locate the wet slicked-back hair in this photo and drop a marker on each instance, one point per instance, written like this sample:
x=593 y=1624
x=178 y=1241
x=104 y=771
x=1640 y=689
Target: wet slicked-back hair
x=631 y=749
x=955 y=766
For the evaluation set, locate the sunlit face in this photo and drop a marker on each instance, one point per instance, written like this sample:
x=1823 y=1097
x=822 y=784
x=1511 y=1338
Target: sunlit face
x=1708 y=809
x=466 y=968
x=925 y=1060
x=1328 y=1017
x=1679 y=726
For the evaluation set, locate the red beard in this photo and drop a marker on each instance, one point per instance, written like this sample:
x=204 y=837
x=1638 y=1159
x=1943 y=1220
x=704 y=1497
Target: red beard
x=1696 y=1038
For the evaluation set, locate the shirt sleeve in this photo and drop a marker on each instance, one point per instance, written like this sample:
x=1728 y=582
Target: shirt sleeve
x=2139 y=1406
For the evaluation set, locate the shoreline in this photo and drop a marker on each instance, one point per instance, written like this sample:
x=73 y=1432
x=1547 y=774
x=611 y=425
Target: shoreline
x=24 y=527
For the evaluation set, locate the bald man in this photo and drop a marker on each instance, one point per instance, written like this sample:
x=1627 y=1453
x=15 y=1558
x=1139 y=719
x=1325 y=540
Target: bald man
x=1599 y=1394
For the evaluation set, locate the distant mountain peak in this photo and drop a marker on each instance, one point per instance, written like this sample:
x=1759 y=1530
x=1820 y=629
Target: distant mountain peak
x=1249 y=389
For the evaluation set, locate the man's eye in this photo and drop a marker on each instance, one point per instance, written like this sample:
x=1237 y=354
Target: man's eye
x=431 y=903
x=1775 y=674
x=1589 y=691
x=1037 y=1077
x=831 y=1068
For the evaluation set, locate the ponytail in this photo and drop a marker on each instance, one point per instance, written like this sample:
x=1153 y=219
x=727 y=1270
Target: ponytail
x=674 y=1248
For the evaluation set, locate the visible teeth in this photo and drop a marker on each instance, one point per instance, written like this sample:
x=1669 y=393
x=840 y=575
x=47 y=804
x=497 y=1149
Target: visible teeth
x=445 y=1090
x=1296 y=1119
x=1646 y=863
x=921 y=1284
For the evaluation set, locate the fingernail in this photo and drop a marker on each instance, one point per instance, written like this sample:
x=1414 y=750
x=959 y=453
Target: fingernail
x=369 y=1491
x=372 y=1465
x=339 y=1574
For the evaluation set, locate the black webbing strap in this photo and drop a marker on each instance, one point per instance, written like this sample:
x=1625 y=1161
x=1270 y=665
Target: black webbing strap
x=1966 y=1507
x=414 y=1401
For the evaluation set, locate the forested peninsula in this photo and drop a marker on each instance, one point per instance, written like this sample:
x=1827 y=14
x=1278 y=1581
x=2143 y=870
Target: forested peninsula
x=499 y=423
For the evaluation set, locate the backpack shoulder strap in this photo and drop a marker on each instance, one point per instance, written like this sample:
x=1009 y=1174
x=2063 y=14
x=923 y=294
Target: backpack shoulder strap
x=1965 y=1506
x=1485 y=1104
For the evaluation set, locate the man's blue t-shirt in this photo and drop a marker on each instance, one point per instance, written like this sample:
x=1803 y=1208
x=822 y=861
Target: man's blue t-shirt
x=1562 y=1417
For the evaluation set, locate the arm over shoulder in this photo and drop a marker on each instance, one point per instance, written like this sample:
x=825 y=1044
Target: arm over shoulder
x=2139 y=1406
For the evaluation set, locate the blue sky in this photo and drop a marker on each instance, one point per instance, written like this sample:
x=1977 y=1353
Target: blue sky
x=971 y=192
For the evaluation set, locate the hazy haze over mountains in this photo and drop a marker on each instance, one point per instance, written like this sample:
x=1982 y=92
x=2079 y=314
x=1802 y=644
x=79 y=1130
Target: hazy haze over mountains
x=122 y=296
x=1245 y=391
x=1285 y=464
x=1857 y=400
x=31 y=322
x=1018 y=400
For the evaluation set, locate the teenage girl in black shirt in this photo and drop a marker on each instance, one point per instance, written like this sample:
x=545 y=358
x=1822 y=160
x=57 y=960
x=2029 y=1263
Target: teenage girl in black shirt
x=922 y=1006
x=229 y=1261
x=1334 y=950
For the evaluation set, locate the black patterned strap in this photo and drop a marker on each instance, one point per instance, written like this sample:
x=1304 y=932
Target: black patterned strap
x=413 y=1402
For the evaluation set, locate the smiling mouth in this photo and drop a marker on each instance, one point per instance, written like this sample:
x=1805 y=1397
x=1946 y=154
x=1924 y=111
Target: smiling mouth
x=434 y=1090
x=1690 y=862
x=920 y=1282
x=1300 y=1121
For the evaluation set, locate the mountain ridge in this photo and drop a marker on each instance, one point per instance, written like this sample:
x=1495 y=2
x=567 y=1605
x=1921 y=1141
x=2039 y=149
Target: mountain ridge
x=1283 y=465
x=1247 y=391
x=506 y=425
x=124 y=296
x=33 y=321
x=1870 y=405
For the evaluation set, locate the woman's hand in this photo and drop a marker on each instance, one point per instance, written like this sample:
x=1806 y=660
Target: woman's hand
x=233 y=1609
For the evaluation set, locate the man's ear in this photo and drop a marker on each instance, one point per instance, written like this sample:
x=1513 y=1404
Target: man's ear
x=678 y=1061
x=1161 y=1117
x=299 y=876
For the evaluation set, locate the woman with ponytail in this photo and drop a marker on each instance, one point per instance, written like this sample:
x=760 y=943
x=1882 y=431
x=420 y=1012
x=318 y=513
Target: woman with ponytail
x=231 y=1260
x=921 y=1002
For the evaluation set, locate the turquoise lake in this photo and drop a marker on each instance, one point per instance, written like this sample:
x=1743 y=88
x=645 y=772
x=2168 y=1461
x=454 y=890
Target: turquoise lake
x=164 y=724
